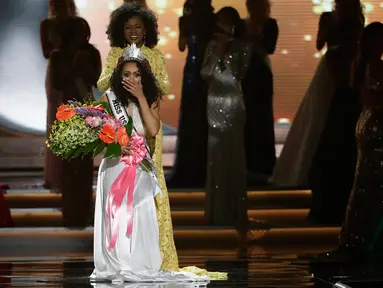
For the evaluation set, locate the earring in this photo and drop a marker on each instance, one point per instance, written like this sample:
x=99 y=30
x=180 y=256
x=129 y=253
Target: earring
x=232 y=30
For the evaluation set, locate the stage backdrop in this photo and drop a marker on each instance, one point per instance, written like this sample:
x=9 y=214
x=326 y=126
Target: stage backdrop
x=22 y=72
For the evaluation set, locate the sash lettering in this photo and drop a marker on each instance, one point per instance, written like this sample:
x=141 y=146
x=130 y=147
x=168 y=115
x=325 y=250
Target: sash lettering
x=118 y=110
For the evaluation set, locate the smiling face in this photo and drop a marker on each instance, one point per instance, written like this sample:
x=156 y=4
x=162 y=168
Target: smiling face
x=134 y=31
x=130 y=71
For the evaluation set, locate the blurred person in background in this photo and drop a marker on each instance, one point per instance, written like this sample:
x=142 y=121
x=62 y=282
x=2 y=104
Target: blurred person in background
x=196 y=30
x=73 y=68
x=257 y=85
x=332 y=171
x=76 y=67
x=361 y=234
x=362 y=229
x=60 y=14
x=300 y=147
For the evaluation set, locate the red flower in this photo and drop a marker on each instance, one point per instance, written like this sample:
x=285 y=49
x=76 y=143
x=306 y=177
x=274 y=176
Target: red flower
x=64 y=112
x=123 y=137
x=107 y=134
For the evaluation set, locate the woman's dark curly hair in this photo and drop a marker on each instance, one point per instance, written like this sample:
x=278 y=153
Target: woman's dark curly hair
x=149 y=84
x=121 y=15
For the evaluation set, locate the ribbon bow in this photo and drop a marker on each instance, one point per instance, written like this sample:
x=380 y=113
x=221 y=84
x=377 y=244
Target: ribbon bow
x=124 y=184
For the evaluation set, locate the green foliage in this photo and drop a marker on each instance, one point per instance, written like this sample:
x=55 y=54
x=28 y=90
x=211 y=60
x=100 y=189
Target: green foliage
x=69 y=138
x=129 y=126
x=113 y=150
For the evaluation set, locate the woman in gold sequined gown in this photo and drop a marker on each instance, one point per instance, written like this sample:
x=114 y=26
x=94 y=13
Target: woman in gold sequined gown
x=130 y=24
x=361 y=232
x=224 y=66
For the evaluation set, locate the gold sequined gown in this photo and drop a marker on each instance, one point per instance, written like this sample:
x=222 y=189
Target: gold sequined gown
x=167 y=246
x=226 y=170
x=361 y=230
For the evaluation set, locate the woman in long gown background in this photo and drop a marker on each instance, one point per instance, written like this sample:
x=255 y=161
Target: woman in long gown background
x=300 y=147
x=73 y=68
x=226 y=60
x=332 y=170
x=196 y=30
x=60 y=13
x=257 y=85
x=362 y=230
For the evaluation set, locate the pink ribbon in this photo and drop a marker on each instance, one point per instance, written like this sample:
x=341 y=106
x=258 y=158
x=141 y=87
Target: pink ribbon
x=124 y=183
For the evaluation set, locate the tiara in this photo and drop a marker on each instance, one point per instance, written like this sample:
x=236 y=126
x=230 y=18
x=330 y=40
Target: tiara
x=134 y=53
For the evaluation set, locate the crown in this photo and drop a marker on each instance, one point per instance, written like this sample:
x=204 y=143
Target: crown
x=134 y=53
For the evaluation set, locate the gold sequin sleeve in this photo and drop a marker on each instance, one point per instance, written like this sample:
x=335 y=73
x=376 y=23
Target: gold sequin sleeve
x=103 y=82
x=158 y=65
x=165 y=226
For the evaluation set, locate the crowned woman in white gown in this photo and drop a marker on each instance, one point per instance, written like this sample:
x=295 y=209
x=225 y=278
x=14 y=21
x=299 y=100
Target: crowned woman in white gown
x=126 y=234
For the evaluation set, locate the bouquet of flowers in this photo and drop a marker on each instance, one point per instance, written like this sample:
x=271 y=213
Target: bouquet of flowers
x=88 y=128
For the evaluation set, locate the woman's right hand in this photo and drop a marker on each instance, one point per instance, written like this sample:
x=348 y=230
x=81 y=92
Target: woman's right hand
x=126 y=150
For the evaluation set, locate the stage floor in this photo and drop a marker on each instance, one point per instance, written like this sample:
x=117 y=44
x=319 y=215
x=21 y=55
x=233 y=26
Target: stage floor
x=252 y=270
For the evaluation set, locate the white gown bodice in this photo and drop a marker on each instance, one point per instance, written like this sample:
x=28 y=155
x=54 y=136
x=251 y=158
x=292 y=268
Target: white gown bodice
x=137 y=120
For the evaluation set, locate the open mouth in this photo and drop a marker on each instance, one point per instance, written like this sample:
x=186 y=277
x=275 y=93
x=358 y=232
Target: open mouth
x=133 y=37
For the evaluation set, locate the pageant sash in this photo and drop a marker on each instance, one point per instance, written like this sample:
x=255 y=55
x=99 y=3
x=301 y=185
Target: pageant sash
x=125 y=182
x=118 y=109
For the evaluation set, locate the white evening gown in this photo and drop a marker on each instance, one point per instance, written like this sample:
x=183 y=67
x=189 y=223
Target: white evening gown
x=135 y=258
x=293 y=164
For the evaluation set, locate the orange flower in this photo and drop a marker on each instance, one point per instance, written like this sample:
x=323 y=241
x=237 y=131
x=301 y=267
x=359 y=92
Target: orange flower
x=64 y=112
x=107 y=134
x=123 y=137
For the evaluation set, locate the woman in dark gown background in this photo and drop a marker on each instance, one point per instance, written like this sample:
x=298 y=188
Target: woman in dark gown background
x=332 y=170
x=73 y=68
x=362 y=230
x=258 y=92
x=196 y=30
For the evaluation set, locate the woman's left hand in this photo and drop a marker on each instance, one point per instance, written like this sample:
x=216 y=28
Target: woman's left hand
x=134 y=88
